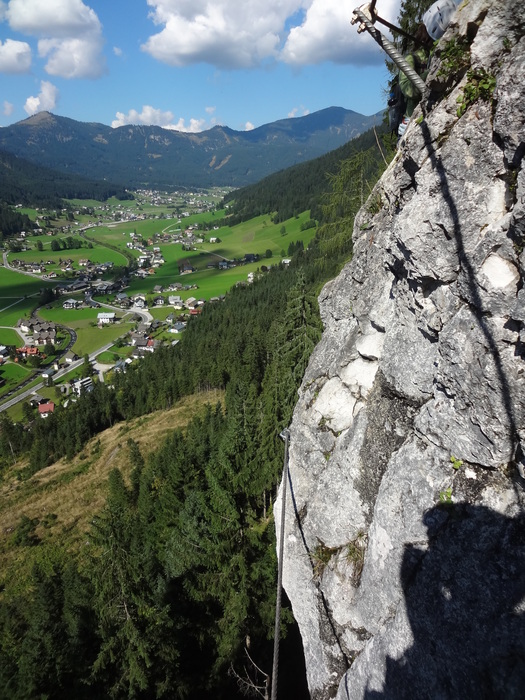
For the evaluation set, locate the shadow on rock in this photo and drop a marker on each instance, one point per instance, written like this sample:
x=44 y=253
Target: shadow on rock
x=465 y=601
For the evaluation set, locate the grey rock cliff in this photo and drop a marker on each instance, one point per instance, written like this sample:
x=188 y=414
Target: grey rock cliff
x=405 y=541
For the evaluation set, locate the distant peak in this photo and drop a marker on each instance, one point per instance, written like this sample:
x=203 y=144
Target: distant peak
x=40 y=118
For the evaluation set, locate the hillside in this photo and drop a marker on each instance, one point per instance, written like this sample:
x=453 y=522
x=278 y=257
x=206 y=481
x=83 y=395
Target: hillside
x=138 y=156
x=23 y=182
x=306 y=186
x=50 y=499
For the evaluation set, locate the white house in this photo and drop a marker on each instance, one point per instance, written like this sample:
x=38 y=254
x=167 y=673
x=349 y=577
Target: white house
x=82 y=386
x=106 y=317
x=70 y=357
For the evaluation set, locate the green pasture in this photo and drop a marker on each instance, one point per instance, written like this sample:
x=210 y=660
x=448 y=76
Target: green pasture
x=97 y=254
x=210 y=283
x=14 y=374
x=205 y=217
x=84 y=323
x=90 y=338
x=11 y=313
x=15 y=284
x=29 y=211
x=145 y=227
x=254 y=236
x=18 y=295
x=260 y=234
x=169 y=272
x=8 y=336
x=108 y=356
x=16 y=412
x=214 y=283
x=162 y=312
x=116 y=235
x=69 y=317
x=93 y=203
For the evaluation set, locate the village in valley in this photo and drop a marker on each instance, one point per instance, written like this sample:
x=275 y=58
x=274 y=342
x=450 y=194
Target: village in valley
x=120 y=280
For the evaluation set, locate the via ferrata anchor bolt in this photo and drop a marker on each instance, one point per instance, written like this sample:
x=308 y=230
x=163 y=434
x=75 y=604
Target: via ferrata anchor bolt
x=368 y=10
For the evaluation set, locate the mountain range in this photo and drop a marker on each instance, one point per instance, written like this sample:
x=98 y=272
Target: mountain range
x=151 y=156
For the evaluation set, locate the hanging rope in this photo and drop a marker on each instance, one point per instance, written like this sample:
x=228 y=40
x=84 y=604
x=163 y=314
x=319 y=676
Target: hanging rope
x=286 y=436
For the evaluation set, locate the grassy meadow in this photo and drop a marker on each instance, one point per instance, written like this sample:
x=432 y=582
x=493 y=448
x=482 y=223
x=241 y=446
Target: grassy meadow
x=97 y=254
x=18 y=295
x=13 y=373
x=84 y=322
x=8 y=336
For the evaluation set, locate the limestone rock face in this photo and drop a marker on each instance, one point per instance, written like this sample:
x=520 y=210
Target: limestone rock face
x=405 y=540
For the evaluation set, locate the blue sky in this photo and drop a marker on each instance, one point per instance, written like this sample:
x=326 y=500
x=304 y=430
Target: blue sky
x=186 y=64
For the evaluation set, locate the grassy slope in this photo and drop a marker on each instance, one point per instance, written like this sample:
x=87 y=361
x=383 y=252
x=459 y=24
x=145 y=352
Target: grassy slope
x=74 y=491
x=10 y=337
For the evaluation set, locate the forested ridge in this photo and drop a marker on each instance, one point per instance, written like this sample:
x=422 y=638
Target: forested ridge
x=177 y=581
x=26 y=183
x=305 y=186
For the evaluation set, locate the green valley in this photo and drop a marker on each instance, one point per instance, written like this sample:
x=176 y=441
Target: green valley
x=166 y=340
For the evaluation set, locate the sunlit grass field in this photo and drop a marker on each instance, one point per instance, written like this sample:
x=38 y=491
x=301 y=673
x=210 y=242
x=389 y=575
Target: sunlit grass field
x=13 y=374
x=10 y=337
x=83 y=321
x=97 y=254
x=19 y=293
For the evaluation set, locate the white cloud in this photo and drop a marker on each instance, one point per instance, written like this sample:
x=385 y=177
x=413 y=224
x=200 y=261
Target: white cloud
x=249 y=126
x=8 y=108
x=45 y=101
x=156 y=117
x=15 y=56
x=3 y=10
x=117 y=51
x=229 y=34
x=224 y=33
x=326 y=34
x=194 y=127
x=210 y=110
x=302 y=111
x=56 y=18
x=73 y=58
x=69 y=32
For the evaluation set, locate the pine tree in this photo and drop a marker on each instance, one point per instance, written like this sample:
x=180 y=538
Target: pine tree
x=137 y=654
